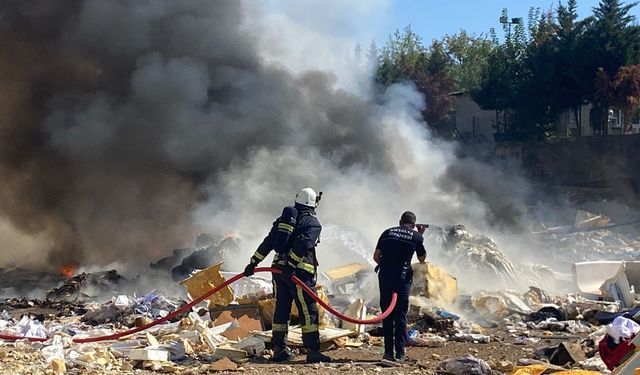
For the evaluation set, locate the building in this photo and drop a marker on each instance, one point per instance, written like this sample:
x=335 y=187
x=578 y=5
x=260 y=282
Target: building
x=566 y=123
x=471 y=123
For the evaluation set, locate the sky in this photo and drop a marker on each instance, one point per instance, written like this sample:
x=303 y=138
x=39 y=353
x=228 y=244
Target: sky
x=360 y=21
x=433 y=19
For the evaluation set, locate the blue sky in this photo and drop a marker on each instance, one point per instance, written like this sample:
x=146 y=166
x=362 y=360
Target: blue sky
x=432 y=19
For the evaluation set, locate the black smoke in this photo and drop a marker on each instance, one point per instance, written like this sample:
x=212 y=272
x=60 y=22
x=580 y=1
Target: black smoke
x=115 y=115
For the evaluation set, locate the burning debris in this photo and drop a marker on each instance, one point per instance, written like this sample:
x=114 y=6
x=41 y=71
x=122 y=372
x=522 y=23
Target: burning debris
x=86 y=286
x=208 y=250
x=26 y=282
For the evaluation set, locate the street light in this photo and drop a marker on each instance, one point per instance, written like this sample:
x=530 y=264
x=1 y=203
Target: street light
x=513 y=21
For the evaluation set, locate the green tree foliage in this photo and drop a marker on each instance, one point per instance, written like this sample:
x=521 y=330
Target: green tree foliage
x=534 y=71
x=558 y=63
x=614 y=37
x=468 y=56
x=507 y=81
x=611 y=40
x=406 y=59
x=569 y=91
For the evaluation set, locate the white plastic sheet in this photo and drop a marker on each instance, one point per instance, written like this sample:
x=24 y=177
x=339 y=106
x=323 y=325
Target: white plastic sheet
x=622 y=328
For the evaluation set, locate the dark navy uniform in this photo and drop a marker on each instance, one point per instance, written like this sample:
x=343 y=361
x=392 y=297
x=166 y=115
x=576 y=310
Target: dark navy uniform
x=397 y=246
x=302 y=258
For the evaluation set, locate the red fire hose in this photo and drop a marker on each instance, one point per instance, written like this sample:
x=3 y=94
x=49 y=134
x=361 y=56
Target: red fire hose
x=188 y=306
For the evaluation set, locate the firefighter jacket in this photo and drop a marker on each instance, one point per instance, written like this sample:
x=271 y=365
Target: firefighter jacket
x=305 y=236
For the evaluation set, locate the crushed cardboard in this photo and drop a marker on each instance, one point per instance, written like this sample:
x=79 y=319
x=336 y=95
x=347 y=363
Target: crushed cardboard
x=224 y=364
x=434 y=283
x=246 y=317
x=294 y=337
x=203 y=281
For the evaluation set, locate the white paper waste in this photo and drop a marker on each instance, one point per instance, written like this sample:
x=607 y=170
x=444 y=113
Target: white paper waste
x=31 y=328
x=121 y=301
x=53 y=351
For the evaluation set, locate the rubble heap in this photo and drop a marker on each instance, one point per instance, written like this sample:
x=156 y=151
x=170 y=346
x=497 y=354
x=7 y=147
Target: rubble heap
x=478 y=261
x=85 y=286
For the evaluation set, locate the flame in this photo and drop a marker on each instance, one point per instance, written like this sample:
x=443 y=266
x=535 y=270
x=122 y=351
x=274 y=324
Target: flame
x=68 y=270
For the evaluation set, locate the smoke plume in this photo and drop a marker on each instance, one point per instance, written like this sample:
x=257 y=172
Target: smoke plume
x=127 y=127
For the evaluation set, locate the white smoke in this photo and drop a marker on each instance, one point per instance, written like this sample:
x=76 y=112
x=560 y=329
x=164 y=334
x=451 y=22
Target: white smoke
x=176 y=117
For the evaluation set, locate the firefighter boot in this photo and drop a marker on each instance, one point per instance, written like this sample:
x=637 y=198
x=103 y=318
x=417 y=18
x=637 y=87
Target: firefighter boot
x=311 y=341
x=280 y=351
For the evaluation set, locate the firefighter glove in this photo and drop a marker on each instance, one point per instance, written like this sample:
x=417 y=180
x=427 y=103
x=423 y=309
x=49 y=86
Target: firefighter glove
x=248 y=270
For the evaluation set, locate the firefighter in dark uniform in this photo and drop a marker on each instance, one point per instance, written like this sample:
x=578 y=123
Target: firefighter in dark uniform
x=393 y=255
x=299 y=259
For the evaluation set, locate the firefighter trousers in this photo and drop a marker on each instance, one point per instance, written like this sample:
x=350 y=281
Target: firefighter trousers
x=286 y=292
x=395 y=325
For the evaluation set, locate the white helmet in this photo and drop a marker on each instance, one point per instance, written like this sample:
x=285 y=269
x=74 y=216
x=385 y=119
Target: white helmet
x=308 y=197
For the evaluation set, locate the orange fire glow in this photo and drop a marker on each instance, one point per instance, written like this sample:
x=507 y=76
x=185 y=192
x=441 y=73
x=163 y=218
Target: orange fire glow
x=68 y=270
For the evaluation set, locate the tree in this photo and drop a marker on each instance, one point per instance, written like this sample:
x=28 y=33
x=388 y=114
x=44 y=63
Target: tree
x=626 y=93
x=613 y=33
x=405 y=58
x=372 y=54
x=603 y=96
x=468 y=55
x=505 y=84
x=537 y=107
x=611 y=40
x=568 y=90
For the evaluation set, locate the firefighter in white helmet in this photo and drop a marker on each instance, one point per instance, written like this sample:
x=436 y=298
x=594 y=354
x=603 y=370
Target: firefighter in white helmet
x=294 y=236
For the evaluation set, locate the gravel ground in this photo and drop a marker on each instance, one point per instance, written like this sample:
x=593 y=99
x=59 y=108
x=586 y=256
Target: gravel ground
x=501 y=354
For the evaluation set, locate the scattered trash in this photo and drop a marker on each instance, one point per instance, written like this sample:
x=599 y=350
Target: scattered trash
x=622 y=328
x=224 y=364
x=356 y=310
x=203 y=281
x=245 y=319
x=467 y=365
x=252 y=345
x=567 y=353
x=428 y=340
x=234 y=327
x=434 y=283
x=472 y=337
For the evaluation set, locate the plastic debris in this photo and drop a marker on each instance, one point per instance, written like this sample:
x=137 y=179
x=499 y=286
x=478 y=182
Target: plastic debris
x=467 y=365
x=622 y=328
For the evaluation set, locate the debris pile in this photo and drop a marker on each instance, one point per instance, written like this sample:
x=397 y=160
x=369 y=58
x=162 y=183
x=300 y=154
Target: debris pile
x=85 y=286
x=476 y=258
x=563 y=249
x=208 y=250
x=590 y=237
x=130 y=311
x=475 y=254
x=23 y=282
x=586 y=330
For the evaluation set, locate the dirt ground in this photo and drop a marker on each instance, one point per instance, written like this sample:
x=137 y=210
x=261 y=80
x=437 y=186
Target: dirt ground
x=501 y=355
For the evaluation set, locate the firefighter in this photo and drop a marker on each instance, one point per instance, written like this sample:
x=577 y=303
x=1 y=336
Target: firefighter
x=297 y=231
x=393 y=255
